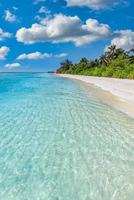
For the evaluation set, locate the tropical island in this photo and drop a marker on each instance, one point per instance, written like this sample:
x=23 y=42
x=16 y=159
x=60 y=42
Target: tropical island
x=115 y=63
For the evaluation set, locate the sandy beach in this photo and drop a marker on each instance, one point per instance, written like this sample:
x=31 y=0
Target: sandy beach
x=118 y=93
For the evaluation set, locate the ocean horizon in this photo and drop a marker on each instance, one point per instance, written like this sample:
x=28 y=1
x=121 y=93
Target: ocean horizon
x=57 y=141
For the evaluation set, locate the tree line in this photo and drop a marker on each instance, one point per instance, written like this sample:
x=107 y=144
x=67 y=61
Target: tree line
x=115 y=62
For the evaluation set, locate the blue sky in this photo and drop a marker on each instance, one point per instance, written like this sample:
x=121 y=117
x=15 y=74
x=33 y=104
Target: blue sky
x=37 y=35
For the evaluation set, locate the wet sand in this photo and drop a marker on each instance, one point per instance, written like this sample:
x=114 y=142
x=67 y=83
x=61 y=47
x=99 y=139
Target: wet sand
x=118 y=93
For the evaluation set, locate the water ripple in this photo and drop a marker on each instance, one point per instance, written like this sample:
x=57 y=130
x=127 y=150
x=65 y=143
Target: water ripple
x=59 y=143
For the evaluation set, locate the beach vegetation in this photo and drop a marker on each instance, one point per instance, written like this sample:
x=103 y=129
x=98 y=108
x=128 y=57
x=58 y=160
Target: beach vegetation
x=115 y=62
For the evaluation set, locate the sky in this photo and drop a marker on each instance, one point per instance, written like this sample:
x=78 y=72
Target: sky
x=37 y=35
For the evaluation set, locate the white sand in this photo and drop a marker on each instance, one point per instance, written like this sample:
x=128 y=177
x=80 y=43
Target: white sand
x=121 y=88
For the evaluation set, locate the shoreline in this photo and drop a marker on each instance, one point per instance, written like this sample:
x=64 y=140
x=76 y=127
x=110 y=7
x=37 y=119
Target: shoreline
x=118 y=93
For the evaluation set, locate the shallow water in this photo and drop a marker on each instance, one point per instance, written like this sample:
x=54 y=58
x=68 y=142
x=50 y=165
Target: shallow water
x=57 y=142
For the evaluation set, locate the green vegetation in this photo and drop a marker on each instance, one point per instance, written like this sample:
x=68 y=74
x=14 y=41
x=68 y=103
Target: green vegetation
x=114 y=63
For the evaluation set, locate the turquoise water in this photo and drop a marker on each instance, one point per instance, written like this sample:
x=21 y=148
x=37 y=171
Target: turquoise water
x=59 y=143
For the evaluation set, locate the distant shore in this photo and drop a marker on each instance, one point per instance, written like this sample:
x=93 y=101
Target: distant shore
x=122 y=91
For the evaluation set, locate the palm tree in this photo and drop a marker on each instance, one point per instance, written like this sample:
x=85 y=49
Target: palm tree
x=120 y=51
x=84 y=60
x=113 y=52
x=64 y=66
x=112 y=48
x=103 y=60
x=93 y=63
x=66 y=63
x=131 y=57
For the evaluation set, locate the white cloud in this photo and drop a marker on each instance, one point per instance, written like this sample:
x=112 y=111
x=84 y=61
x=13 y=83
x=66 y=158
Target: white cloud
x=10 y=17
x=63 y=28
x=33 y=56
x=44 y=10
x=61 y=55
x=15 y=8
x=93 y=4
x=12 y=65
x=95 y=30
x=4 y=52
x=38 y=55
x=124 y=39
x=38 y=18
x=4 y=35
x=38 y=1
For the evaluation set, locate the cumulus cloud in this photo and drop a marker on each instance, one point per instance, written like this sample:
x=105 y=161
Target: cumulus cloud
x=44 y=10
x=4 y=52
x=33 y=56
x=4 y=35
x=38 y=55
x=10 y=17
x=62 y=28
x=94 y=4
x=12 y=65
x=124 y=39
